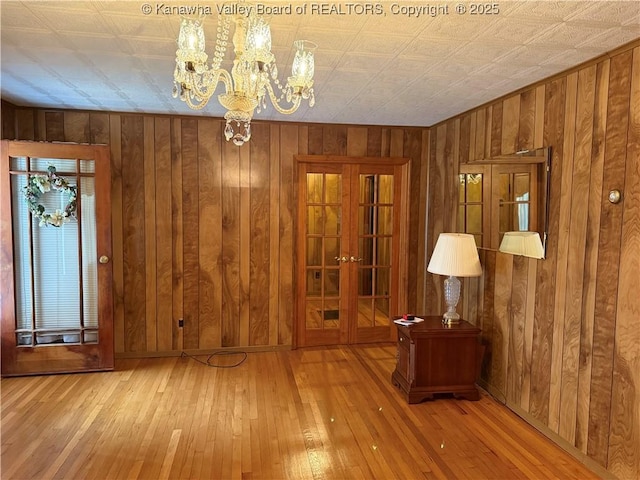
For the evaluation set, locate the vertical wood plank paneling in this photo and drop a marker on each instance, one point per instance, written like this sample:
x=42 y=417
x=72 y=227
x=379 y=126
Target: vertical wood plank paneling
x=496 y=129
x=413 y=149
x=288 y=148
x=174 y=334
x=481 y=121
x=315 y=140
x=396 y=142
x=244 y=252
x=606 y=288
x=8 y=113
x=543 y=331
x=423 y=213
x=563 y=254
x=230 y=245
x=529 y=320
x=77 y=127
x=464 y=138
x=133 y=228
x=510 y=124
x=190 y=237
x=274 y=234
x=303 y=139
x=517 y=321
x=54 y=126
x=488 y=290
x=449 y=177
x=115 y=127
x=209 y=233
x=538 y=134
x=99 y=126
x=357 y=141
x=164 y=230
x=385 y=142
x=151 y=299
x=591 y=254
x=526 y=124
x=334 y=140
x=25 y=124
x=260 y=248
x=501 y=322
x=434 y=202
x=472 y=136
x=624 y=456
x=40 y=126
x=374 y=142
x=436 y=212
x=487 y=131
x=575 y=262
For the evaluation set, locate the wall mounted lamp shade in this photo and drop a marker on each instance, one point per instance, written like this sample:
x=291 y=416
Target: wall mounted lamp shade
x=528 y=244
x=455 y=255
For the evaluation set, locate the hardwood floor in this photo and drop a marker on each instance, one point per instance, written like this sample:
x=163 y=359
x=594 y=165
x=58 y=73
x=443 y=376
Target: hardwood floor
x=327 y=413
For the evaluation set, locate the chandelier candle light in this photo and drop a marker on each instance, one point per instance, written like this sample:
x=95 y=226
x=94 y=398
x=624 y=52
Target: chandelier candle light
x=252 y=74
x=454 y=255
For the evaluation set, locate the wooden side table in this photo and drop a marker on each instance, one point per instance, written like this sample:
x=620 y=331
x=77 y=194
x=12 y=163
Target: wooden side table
x=435 y=358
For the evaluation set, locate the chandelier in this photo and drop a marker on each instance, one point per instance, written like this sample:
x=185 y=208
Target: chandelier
x=254 y=70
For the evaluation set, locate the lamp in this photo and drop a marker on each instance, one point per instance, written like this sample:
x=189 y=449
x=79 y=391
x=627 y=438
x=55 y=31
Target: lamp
x=254 y=69
x=455 y=255
x=522 y=243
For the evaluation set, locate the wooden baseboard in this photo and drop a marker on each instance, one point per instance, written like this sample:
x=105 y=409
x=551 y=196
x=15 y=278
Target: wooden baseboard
x=195 y=352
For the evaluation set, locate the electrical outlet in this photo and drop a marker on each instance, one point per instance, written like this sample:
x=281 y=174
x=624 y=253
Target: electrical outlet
x=181 y=323
x=316 y=275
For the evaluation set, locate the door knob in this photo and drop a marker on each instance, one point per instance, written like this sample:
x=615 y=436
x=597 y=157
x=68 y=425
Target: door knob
x=104 y=259
x=354 y=259
x=344 y=259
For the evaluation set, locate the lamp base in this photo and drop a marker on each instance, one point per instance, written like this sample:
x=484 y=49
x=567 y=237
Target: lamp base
x=451 y=297
x=450 y=318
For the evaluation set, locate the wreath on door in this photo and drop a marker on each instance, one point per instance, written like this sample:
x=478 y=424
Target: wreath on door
x=40 y=184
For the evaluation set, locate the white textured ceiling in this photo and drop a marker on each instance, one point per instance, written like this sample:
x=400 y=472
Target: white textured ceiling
x=388 y=69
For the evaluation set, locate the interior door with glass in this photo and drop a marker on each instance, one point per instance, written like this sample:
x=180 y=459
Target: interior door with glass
x=323 y=262
x=56 y=276
x=374 y=243
x=348 y=243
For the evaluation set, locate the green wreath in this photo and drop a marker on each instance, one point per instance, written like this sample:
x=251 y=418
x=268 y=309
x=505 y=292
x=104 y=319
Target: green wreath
x=40 y=184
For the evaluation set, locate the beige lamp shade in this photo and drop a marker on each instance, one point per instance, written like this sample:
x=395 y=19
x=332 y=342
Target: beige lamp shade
x=455 y=254
x=522 y=243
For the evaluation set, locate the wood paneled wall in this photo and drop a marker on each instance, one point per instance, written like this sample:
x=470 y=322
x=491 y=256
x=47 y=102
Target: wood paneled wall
x=563 y=334
x=203 y=230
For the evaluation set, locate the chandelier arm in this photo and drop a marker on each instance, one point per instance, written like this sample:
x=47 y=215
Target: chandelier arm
x=225 y=78
x=205 y=91
x=274 y=101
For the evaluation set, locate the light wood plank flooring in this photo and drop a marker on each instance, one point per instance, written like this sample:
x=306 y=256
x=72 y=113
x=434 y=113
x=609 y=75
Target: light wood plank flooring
x=329 y=413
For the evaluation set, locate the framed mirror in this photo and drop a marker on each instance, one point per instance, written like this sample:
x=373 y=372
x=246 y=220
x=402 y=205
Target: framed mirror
x=504 y=201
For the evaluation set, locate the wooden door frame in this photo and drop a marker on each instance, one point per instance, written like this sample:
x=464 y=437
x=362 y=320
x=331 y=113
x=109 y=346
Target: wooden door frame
x=102 y=356
x=402 y=282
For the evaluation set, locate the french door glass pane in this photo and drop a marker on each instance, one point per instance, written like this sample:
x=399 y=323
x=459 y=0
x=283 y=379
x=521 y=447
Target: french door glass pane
x=333 y=190
x=375 y=230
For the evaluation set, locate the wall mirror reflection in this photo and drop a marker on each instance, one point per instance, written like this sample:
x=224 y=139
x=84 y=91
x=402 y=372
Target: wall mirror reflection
x=503 y=195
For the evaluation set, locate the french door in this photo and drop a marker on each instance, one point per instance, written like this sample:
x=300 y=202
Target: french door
x=349 y=243
x=56 y=295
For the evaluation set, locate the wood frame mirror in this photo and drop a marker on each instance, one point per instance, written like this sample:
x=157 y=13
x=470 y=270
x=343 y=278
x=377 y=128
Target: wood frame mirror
x=509 y=193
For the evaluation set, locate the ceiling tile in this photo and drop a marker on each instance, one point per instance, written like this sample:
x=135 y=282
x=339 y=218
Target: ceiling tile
x=387 y=69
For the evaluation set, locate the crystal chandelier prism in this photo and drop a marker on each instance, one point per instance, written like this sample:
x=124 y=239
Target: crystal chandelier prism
x=253 y=74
